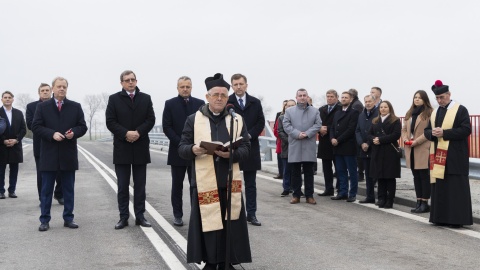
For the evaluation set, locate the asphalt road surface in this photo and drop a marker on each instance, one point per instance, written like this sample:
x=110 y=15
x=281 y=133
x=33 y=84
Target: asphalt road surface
x=329 y=235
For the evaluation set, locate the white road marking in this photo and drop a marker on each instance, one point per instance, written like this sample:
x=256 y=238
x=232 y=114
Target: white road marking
x=161 y=247
x=463 y=231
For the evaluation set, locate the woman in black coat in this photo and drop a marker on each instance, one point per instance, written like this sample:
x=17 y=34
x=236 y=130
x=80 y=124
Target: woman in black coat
x=385 y=162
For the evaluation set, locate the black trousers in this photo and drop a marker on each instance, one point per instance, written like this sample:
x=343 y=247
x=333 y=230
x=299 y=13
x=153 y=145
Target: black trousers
x=178 y=175
x=421 y=180
x=58 y=192
x=139 y=173
x=387 y=188
x=328 y=174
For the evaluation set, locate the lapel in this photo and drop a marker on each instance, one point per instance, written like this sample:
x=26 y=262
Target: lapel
x=419 y=119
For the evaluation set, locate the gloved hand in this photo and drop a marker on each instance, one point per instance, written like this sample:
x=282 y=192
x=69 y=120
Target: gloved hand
x=409 y=142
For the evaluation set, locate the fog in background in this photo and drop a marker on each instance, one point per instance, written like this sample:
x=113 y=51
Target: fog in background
x=281 y=46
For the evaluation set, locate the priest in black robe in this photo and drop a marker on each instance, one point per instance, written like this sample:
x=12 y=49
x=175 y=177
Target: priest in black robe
x=207 y=229
x=449 y=129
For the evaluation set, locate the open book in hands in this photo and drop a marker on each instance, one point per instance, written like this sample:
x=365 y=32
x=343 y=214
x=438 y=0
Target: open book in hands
x=219 y=146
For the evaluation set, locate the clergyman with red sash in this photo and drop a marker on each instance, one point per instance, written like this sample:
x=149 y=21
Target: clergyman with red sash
x=448 y=130
x=207 y=230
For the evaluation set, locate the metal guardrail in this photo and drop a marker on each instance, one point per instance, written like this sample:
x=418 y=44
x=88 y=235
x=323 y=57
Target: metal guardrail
x=268 y=145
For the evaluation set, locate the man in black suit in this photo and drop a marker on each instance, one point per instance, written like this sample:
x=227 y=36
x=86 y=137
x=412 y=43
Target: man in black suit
x=250 y=108
x=130 y=116
x=325 y=148
x=44 y=93
x=11 y=152
x=175 y=114
x=59 y=122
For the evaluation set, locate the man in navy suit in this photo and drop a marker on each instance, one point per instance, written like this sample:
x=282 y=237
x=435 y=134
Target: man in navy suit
x=59 y=122
x=175 y=114
x=11 y=152
x=250 y=108
x=44 y=93
x=130 y=116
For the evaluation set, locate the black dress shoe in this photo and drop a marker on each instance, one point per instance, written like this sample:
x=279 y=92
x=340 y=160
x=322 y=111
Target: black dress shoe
x=253 y=220
x=278 y=176
x=351 y=199
x=367 y=201
x=70 y=224
x=339 y=197
x=122 y=223
x=221 y=266
x=12 y=195
x=210 y=266
x=326 y=193
x=2 y=195
x=60 y=200
x=143 y=222
x=178 y=221
x=44 y=227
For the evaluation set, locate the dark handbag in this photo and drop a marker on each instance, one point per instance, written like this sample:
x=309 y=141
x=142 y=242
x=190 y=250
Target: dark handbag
x=399 y=150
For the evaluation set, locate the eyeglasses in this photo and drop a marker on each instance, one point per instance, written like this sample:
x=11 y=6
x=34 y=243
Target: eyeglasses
x=130 y=80
x=218 y=95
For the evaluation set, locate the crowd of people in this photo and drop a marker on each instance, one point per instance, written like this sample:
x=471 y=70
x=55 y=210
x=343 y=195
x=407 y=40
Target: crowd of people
x=356 y=141
x=361 y=141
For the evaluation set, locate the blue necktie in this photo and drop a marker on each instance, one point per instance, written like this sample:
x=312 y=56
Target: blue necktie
x=329 y=109
x=241 y=104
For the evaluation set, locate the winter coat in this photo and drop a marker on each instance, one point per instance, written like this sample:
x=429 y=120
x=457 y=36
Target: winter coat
x=385 y=163
x=298 y=119
x=363 y=128
x=420 y=146
x=325 y=147
x=254 y=119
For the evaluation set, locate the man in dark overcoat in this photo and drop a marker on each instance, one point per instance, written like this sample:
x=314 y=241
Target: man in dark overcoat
x=342 y=136
x=59 y=122
x=175 y=114
x=44 y=93
x=11 y=151
x=449 y=128
x=130 y=116
x=363 y=147
x=250 y=108
x=325 y=148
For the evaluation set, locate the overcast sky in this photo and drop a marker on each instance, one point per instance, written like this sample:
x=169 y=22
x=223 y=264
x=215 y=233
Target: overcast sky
x=400 y=46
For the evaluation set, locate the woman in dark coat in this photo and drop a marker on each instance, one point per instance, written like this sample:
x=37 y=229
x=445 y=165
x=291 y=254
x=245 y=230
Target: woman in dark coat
x=385 y=162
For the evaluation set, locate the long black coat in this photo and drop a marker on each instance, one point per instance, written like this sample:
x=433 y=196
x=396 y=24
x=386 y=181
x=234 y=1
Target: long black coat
x=123 y=115
x=255 y=122
x=174 y=116
x=47 y=120
x=16 y=130
x=30 y=113
x=363 y=128
x=343 y=129
x=385 y=162
x=325 y=147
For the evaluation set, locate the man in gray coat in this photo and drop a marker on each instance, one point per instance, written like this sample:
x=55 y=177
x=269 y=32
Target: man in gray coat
x=302 y=123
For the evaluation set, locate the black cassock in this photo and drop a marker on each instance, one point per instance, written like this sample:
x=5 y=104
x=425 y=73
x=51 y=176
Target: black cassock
x=451 y=200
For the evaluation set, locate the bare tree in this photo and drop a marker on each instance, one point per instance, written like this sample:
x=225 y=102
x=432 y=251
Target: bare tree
x=21 y=101
x=105 y=97
x=94 y=103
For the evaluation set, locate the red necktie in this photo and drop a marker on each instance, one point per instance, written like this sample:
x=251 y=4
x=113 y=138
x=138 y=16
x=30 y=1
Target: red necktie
x=59 y=106
x=131 y=96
